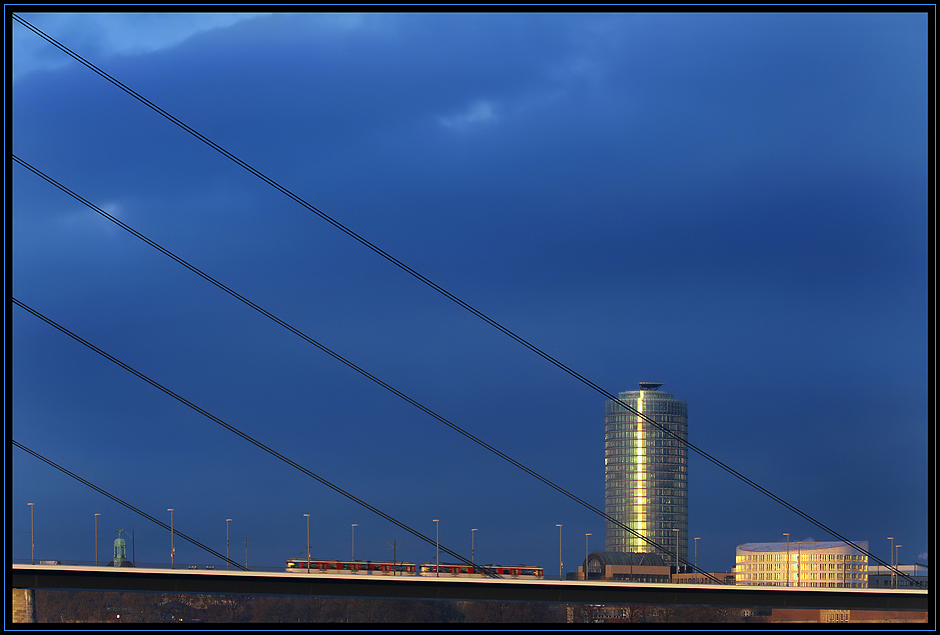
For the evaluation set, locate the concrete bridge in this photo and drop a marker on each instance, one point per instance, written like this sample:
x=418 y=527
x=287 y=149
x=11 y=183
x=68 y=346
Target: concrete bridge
x=26 y=578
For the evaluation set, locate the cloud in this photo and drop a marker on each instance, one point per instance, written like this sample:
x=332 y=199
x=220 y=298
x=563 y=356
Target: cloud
x=85 y=221
x=478 y=113
x=104 y=34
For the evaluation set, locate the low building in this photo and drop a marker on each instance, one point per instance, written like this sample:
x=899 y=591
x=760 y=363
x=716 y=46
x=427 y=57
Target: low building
x=903 y=576
x=844 y=616
x=805 y=564
x=697 y=577
x=644 y=567
x=626 y=566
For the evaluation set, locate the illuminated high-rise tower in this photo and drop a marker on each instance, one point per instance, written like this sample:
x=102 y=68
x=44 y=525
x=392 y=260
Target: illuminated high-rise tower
x=646 y=472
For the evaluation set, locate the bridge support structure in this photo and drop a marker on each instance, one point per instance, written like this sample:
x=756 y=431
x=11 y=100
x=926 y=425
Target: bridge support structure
x=24 y=606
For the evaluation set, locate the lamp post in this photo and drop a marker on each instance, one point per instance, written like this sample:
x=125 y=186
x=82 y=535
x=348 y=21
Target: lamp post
x=897 y=563
x=695 y=542
x=586 y=555
x=354 y=525
x=799 y=564
x=560 y=564
x=437 y=547
x=172 y=548
x=96 y=539
x=472 y=548
x=308 y=541
x=227 y=521
x=891 y=558
x=788 y=558
x=677 y=554
x=32 y=534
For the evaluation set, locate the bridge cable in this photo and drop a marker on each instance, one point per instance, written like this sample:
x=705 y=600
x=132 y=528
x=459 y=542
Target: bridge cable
x=176 y=532
x=245 y=436
x=348 y=363
x=430 y=283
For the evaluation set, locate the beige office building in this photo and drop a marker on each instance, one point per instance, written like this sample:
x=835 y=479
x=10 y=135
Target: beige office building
x=805 y=564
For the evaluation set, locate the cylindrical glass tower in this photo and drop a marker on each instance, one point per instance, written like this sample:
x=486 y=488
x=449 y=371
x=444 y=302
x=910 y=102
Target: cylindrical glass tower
x=646 y=471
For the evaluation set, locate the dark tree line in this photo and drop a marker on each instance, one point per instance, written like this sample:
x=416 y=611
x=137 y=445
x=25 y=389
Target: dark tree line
x=100 y=607
x=70 y=607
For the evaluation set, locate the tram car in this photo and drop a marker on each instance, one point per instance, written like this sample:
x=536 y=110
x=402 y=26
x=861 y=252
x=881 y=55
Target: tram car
x=384 y=567
x=481 y=571
x=364 y=567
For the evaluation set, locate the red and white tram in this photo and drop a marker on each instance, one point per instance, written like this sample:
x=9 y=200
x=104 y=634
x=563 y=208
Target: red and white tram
x=481 y=571
x=365 y=567
x=380 y=567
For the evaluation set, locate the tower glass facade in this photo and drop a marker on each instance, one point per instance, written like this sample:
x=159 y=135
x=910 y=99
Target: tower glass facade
x=646 y=472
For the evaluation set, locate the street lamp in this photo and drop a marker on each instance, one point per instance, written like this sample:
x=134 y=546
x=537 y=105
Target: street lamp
x=586 y=555
x=891 y=558
x=354 y=525
x=227 y=521
x=560 y=564
x=695 y=542
x=472 y=559
x=799 y=564
x=897 y=563
x=788 y=558
x=96 y=539
x=32 y=534
x=677 y=554
x=172 y=548
x=437 y=547
x=308 y=542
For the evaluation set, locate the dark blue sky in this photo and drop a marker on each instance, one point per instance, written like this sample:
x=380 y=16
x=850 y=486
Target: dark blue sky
x=733 y=204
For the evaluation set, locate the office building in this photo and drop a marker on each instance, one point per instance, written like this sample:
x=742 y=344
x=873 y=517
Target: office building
x=806 y=564
x=646 y=472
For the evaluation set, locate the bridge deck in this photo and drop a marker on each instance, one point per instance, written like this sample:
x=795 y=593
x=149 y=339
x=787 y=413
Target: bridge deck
x=449 y=588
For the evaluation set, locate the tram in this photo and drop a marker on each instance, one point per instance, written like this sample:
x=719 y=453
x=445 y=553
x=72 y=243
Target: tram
x=428 y=569
x=364 y=567
x=481 y=571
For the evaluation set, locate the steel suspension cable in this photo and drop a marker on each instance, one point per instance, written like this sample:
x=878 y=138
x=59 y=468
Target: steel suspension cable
x=345 y=361
x=162 y=524
x=241 y=434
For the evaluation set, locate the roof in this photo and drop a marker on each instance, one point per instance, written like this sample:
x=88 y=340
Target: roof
x=626 y=557
x=801 y=546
